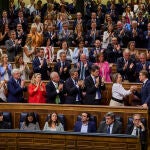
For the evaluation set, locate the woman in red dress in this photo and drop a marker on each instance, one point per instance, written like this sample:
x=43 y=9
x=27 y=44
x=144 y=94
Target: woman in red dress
x=37 y=90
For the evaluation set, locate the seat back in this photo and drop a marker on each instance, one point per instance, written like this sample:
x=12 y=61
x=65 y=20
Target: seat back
x=143 y=120
x=61 y=118
x=7 y=118
x=23 y=117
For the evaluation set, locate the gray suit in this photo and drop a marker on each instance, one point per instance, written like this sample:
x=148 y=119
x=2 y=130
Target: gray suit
x=12 y=50
x=117 y=127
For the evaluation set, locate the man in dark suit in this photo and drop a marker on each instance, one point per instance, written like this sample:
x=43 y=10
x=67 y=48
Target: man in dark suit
x=40 y=65
x=85 y=126
x=16 y=87
x=83 y=67
x=4 y=20
x=144 y=94
x=126 y=66
x=137 y=128
x=93 y=85
x=113 y=51
x=143 y=64
x=110 y=125
x=21 y=20
x=55 y=89
x=92 y=35
x=13 y=46
x=74 y=88
x=147 y=37
x=62 y=67
x=95 y=51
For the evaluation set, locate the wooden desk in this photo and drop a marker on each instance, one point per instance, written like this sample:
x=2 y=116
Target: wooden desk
x=70 y=112
x=16 y=140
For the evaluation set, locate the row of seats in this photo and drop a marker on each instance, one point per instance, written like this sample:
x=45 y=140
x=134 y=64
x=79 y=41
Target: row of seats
x=61 y=117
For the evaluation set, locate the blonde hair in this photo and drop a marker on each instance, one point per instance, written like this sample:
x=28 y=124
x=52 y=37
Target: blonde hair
x=33 y=78
x=37 y=17
x=2 y=58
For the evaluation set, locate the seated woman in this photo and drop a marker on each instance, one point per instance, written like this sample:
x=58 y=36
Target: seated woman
x=118 y=91
x=3 y=91
x=5 y=68
x=53 y=124
x=30 y=122
x=104 y=67
x=3 y=124
x=37 y=90
x=23 y=67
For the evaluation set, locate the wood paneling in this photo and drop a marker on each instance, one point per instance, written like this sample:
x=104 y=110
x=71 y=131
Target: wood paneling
x=63 y=141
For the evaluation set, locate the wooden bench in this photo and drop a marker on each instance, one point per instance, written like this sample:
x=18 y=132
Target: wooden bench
x=70 y=112
x=15 y=140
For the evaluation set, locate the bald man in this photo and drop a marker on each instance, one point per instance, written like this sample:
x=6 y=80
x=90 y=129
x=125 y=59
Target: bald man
x=54 y=89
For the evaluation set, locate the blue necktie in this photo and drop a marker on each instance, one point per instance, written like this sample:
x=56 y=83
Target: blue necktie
x=108 y=129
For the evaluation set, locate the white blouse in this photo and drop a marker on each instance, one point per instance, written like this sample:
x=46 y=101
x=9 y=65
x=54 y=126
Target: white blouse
x=119 y=92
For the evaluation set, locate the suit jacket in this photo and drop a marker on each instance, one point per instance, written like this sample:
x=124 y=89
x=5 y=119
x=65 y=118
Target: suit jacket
x=15 y=92
x=92 y=57
x=111 y=54
x=117 y=127
x=146 y=40
x=91 y=90
x=43 y=70
x=86 y=70
x=127 y=74
x=139 y=67
x=129 y=131
x=71 y=91
x=144 y=94
x=91 y=126
x=51 y=93
x=63 y=75
x=12 y=50
x=24 y=24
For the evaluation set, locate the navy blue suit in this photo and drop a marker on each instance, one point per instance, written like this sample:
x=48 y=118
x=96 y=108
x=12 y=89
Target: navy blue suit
x=43 y=70
x=64 y=74
x=91 y=126
x=15 y=92
x=144 y=94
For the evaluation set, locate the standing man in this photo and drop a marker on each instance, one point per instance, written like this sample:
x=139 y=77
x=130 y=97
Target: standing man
x=13 y=46
x=63 y=67
x=144 y=94
x=110 y=125
x=137 y=128
x=40 y=65
x=16 y=87
x=74 y=88
x=55 y=89
x=94 y=85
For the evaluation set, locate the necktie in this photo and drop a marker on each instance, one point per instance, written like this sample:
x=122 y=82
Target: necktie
x=108 y=129
x=57 y=99
x=137 y=132
x=82 y=72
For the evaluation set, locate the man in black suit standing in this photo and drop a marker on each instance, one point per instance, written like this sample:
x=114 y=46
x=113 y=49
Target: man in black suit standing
x=144 y=94
x=137 y=128
x=55 y=89
x=62 y=67
x=40 y=65
x=110 y=125
x=74 y=88
x=94 y=85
